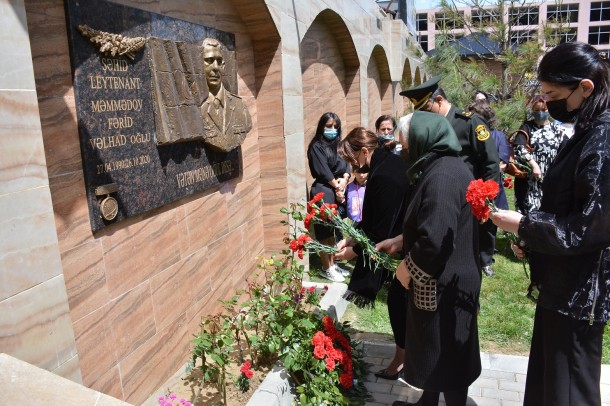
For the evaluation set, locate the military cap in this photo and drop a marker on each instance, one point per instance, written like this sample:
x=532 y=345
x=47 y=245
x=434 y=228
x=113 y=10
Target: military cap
x=419 y=95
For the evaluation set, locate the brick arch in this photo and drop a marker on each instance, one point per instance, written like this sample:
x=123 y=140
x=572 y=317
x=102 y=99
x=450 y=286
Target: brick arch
x=407 y=77
x=380 y=97
x=329 y=68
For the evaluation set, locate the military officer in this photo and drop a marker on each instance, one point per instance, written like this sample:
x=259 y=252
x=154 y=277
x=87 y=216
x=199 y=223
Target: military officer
x=479 y=150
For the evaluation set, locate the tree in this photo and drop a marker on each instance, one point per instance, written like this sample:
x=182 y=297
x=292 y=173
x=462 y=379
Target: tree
x=492 y=56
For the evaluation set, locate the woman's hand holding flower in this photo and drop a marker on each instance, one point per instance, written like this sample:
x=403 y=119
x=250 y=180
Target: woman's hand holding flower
x=391 y=245
x=345 y=254
x=507 y=220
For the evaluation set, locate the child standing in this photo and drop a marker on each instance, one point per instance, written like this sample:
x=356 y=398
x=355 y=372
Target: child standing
x=355 y=196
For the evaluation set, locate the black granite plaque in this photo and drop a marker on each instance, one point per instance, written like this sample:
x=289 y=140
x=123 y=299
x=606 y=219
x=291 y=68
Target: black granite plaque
x=126 y=172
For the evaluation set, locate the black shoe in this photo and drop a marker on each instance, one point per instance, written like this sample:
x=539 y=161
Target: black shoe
x=384 y=375
x=488 y=271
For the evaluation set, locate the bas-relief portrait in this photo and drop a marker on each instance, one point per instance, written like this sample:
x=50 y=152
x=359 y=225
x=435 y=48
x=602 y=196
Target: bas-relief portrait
x=192 y=101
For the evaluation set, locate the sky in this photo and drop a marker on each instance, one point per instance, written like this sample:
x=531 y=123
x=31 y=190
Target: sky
x=425 y=4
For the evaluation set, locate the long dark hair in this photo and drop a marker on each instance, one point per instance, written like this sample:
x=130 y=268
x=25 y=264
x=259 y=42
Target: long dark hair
x=319 y=135
x=568 y=64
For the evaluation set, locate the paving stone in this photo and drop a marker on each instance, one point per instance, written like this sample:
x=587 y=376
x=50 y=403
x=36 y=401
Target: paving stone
x=483 y=382
x=500 y=394
x=512 y=386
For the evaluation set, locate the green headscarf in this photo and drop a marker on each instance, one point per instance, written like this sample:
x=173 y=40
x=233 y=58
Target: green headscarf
x=429 y=134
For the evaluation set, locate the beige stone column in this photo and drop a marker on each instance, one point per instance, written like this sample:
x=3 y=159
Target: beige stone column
x=35 y=324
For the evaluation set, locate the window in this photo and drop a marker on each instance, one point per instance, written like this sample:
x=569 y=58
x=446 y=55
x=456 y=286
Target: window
x=565 y=35
x=564 y=13
x=524 y=16
x=445 y=22
x=483 y=17
x=599 y=35
x=423 y=41
x=520 y=37
x=422 y=22
x=600 y=11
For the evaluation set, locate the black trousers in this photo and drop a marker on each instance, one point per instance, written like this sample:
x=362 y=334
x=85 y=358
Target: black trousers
x=452 y=398
x=487 y=242
x=565 y=361
x=397 y=303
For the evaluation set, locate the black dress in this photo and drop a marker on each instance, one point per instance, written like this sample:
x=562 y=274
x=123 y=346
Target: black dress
x=383 y=211
x=440 y=237
x=324 y=165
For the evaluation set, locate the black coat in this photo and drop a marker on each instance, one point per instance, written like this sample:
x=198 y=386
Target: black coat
x=440 y=237
x=383 y=210
x=569 y=236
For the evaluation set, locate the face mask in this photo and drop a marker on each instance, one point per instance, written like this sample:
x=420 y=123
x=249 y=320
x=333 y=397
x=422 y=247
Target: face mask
x=386 y=137
x=540 y=116
x=330 y=133
x=558 y=109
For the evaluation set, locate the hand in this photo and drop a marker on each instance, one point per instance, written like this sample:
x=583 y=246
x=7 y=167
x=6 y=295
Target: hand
x=345 y=254
x=403 y=275
x=391 y=245
x=519 y=253
x=536 y=172
x=340 y=195
x=507 y=220
x=346 y=242
x=342 y=183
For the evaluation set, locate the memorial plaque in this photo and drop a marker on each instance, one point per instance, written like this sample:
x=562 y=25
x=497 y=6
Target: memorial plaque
x=140 y=89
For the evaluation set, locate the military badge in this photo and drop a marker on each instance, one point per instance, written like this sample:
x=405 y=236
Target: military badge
x=482 y=132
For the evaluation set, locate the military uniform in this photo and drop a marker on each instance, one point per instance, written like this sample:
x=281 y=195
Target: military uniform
x=479 y=152
x=478 y=147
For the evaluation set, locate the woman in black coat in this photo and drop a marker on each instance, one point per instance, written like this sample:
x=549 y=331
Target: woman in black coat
x=383 y=209
x=441 y=265
x=330 y=174
x=568 y=238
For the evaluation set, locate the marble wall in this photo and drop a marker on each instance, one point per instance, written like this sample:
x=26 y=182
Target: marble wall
x=116 y=310
x=35 y=324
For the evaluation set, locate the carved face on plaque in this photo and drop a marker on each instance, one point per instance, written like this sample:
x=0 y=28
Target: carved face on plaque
x=213 y=64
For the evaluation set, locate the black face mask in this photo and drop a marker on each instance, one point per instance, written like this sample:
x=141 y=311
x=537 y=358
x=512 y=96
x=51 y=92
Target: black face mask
x=558 y=109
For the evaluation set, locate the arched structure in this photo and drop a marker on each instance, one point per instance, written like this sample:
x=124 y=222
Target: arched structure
x=380 y=98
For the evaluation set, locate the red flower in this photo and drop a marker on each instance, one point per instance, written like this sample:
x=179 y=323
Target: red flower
x=312 y=289
x=508 y=182
x=316 y=199
x=330 y=364
x=318 y=338
x=245 y=367
x=318 y=352
x=307 y=220
x=346 y=380
x=480 y=195
x=248 y=374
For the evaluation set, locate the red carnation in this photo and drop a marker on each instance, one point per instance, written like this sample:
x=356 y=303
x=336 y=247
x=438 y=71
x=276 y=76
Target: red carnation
x=480 y=195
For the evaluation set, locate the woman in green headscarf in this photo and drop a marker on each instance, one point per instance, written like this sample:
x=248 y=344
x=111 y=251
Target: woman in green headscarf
x=441 y=264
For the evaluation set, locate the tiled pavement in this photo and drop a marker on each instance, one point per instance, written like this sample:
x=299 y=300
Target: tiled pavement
x=501 y=383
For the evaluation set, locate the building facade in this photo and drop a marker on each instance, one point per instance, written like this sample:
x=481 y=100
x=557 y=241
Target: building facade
x=583 y=20
x=116 y=309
